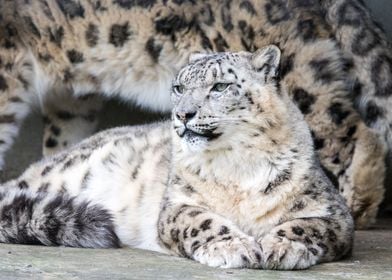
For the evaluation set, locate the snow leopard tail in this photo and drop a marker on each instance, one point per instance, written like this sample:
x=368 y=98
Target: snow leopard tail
x=53 y=219
x=365 y=41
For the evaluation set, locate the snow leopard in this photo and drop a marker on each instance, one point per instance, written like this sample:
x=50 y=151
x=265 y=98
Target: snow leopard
x=233 y=181
x=64 y=56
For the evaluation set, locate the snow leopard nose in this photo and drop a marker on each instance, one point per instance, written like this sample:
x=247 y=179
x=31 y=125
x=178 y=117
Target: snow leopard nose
x=185 y=116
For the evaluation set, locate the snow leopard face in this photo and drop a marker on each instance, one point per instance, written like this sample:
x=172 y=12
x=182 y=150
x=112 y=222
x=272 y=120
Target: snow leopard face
x=220 y=94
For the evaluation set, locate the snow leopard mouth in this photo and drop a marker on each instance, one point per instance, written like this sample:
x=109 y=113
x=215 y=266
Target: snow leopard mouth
x=207 y=134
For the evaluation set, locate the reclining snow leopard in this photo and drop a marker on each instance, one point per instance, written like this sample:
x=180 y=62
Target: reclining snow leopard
x=232 y=182
x=66 y=54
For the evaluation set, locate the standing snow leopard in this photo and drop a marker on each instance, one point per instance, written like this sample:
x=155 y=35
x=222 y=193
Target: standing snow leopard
x=64 y=55
x=234 y=181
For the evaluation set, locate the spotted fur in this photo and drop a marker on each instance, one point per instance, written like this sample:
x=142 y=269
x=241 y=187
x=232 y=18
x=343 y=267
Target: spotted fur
x=133 y=49
x=364 y=39
x=232 y=182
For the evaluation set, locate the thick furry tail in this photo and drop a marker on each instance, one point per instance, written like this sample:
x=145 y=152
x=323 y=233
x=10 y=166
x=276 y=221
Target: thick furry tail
x=365 y=41
x=54 y=219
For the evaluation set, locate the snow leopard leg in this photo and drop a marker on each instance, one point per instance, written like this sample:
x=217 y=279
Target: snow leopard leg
x=68 y=120
x=351 y=153
x=16 y=92
x=208 y=238
x=365 y=42
x=348 y=150
x=363 y=39
x=301 y=243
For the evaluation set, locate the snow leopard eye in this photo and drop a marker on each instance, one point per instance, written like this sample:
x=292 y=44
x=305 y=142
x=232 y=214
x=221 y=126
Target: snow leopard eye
x=220 y=87
x=178 y=89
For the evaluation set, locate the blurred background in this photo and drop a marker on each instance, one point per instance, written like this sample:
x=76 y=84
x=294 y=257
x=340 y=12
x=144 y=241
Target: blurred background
x=29 y=144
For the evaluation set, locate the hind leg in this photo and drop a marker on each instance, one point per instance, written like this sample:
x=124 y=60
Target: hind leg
x=68 y=120
x=351 y=154
x=16 y=96
x=13 y=111
x=363 y=39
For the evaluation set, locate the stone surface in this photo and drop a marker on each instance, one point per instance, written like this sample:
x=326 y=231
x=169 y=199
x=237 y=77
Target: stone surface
x=372 y=259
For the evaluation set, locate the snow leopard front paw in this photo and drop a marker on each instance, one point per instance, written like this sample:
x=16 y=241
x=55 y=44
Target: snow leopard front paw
x=282 y=253
x=235 y=252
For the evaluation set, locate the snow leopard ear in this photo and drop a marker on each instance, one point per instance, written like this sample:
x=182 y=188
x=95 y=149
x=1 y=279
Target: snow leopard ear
x=266 y=60
x=196 y=56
